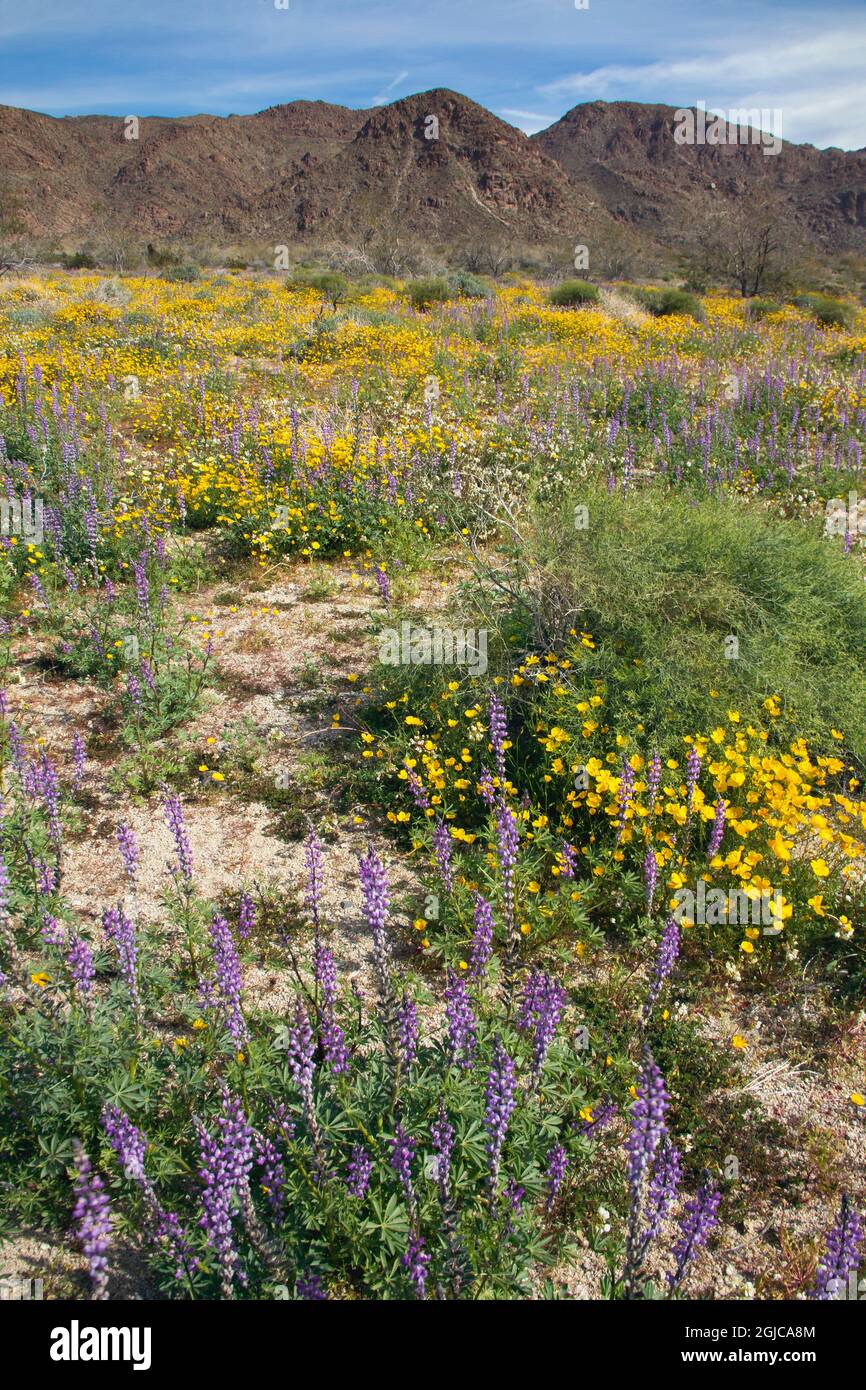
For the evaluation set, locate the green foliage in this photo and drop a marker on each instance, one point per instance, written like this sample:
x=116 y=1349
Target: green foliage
x=423 y=294
x=573 y=293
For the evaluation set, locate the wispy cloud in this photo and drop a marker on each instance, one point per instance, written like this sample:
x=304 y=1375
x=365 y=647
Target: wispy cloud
x=384 y=96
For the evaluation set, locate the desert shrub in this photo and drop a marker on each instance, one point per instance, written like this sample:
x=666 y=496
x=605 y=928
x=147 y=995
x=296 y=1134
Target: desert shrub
x=425 y=293
x=79 y=260
x=572 y=293
x=661 y=303
x=469 y=285
x=757 y=309
x=833 y=313
x=185 y=274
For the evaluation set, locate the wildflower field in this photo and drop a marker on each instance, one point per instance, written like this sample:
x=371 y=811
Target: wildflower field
x=433 y=837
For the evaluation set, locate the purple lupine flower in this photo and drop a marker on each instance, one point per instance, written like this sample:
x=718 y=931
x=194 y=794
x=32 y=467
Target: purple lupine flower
x=332 y=1035
x=669 y=949
x=308 y=1287
x=121 y=933
x=699 y=1219
x=142 y=588
x=693 y=772
x=273 y=1173
x=486 y=788
x=841 y=1256
x=51 y=931
x=133 y=690
x=92 y=1216
x=300 y=1049
x=128 y=1142
x=246 y=916
x=462 y=1024
x=358 y=1172
x=79 y=959
x=442 y=852
x=128 y=852
x=482 y=937
x=79 y=759
x=718 y=829
x=514 y=1195
x=625 y=793
x=374 y=890
x=407 y=1030
x=47 y=878
x=418 y=790
x=402 y=1153
x=48 y=787
x=662 y=1189
x=415 y=1262
x=384 y=584
x=313 y=862
x=5 y=885
x=442 y=1135
x=500 y=1103
x=557 y=1164
x=174 y=818
x=650 y=876
x=653 y=781
x=541 y=1009
x=223 y=991
x=507 y=843
x=569 y=860
x=498 y=736
x=648 y=1126
x=226 y=1161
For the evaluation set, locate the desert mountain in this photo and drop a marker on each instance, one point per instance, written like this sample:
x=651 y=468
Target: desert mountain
x=435 y=167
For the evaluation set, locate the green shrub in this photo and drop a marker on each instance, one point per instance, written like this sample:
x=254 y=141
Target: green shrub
x=833 y=313
x=572 y=293
x=79 y=260
x=183 y=274
x=470 y=286
x=757 y=309
x=661 y=303
x=424 y=293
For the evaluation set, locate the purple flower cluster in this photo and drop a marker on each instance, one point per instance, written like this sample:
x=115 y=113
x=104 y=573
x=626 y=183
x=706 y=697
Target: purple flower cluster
x=841 y=1256
x=130 y=1146
x=669 y=949
x=415 y=1262
x=358 y=1172
x=313 y=862
x=376 y=900
x=223 y=991
x=462 y=1023
x=177 y=825
x=541 y=1009
x=498 y=736
x=128 y=853
x=92 y=1217
x=332 y=1036
x=500 y=1102
x=121 y=933
x=482 y=937
x=557 y=1165
x=718 y=829
x=699 y=1219
x=650 y=876
x=226 y=1161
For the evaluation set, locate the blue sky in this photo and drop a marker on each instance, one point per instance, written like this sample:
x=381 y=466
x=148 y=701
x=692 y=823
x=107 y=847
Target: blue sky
x=527 y=60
